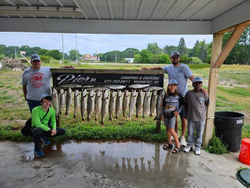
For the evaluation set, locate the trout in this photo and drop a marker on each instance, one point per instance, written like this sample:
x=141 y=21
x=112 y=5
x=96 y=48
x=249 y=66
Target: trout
x=118 y=105
x=55 y=101
x=158 y=105
x=153 y=102
x=125 y=102
x=76 y=101
x=132 y=102
x=83 y=103
x=68 y=100
x=111 y=104
x=98 y=103
x=105 y=105
x=139 y=102
x=91 y=103
x=61 y=100
x=146 y=103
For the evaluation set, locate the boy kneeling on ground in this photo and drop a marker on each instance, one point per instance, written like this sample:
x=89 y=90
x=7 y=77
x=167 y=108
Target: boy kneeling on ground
x=40 y=128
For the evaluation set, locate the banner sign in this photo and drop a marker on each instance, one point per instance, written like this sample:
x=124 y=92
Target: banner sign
x=126 y=78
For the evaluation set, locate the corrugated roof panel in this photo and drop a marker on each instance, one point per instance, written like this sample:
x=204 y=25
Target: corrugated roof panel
x=159 y=11
x=103 y=9
x=133 y=9
x=118 y=9
x=147 y=9
x=88 y=9
x=67 y=3
x=177 y=9
x=16 y=3
x=164 y=11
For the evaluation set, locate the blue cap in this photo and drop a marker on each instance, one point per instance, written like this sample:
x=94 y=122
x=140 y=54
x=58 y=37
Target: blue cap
x=174 y=53
x=35 y=57
x=46 y=96
x=172 y=81
x=197 y=79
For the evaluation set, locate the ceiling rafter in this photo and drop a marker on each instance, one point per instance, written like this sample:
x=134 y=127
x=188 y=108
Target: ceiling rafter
x=170 y=7
x=9 y=1
x=185 y=8
x=45 y=4
x=125 y=9
x=140 y=9
x=110 y=9
x=83 y=13
x=27 y=3
x=92 y=3
x=60 y=3
x=156 y=7
x=199 y=10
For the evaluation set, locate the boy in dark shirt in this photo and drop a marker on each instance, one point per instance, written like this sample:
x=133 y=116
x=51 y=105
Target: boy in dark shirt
x=196 y=103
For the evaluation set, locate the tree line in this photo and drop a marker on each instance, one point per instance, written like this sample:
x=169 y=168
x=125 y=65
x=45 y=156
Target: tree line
x=200 y=53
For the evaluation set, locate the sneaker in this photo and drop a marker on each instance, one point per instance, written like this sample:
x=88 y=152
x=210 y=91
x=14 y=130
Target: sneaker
x=197 y=151
x=183 y=141
x=188 y=148
x=38 y=152
x=45 y=141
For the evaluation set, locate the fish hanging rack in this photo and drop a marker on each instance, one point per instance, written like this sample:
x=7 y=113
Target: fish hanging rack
x=129 y=81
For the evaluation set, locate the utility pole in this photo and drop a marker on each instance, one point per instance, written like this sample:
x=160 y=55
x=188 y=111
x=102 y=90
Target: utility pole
x=76 y=49
x=62 y=49
x=15 y=53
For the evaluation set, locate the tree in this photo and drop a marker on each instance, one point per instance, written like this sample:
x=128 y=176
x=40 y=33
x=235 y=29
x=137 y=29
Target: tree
x=144 y=56
x=130 y=52
x=55 y=54
x=203 y=54
x=137 y=58
x=154 y=48
x=182 y=47
x=169 y=49
x=2 y=49
x=42 y=51
x=72 y=54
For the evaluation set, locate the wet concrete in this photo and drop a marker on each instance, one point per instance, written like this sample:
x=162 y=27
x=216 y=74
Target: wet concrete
x=113 y=164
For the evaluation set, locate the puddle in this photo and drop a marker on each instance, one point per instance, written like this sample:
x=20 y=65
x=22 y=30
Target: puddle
x=136 y=162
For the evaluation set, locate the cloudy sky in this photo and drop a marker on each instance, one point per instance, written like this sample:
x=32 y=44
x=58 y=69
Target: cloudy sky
x=89 y=43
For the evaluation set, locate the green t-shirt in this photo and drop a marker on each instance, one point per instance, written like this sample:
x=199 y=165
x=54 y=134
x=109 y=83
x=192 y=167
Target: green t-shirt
x=38 y=113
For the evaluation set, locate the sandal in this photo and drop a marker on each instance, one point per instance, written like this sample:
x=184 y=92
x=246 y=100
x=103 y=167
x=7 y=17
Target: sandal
x=166 y=146
x=176 y=150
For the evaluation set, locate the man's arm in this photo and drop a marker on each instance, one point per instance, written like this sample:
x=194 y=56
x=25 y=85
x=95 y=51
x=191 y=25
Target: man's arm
x=191 y=78
x=152 y=68
x=24 y=91
x=68 y=67
x=202 y=89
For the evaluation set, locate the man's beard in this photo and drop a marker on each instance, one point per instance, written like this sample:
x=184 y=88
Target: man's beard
x=175 y=63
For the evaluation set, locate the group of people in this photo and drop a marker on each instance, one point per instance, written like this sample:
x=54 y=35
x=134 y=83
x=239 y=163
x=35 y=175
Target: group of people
x=190 y=105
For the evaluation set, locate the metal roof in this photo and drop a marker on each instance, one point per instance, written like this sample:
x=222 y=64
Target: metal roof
x=123 y=16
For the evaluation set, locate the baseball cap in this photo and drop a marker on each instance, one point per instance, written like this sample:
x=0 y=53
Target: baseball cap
x=46 y=96
x=172 y=81
x=35 y=57
x=174 y=53
x=197 y=79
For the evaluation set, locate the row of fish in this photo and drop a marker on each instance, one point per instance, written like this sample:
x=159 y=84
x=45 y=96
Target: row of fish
x=100 y=101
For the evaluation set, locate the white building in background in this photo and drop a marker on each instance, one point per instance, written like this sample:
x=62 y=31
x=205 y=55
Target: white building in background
x=130 y=60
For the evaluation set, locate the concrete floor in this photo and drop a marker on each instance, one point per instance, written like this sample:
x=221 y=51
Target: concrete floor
x=113 y=164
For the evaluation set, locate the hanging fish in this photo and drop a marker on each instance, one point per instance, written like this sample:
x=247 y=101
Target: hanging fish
x=132 y=102
x=55 y=101
x=146 y=103
x=153 y=102
x=105 y=104
x=61 y=97
x=98 y=103
x=68 y=100
x=91 y=104
x=84 y=100
x=76 y=102
x=125 y=102
x=158 y=105
x=139 y=103
x=118 y=105
x=111 y=104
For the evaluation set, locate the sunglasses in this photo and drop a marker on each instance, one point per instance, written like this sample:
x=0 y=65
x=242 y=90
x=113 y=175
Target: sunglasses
x=175 y=57
x=36 y=61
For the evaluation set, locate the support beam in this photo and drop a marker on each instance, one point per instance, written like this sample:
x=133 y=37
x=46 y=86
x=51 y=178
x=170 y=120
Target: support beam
x=229 y=45
x=212 y=88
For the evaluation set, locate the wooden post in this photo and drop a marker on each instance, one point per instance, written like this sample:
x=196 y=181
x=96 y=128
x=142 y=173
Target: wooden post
x=58 y=120
x=212 y=88
x=158 y=126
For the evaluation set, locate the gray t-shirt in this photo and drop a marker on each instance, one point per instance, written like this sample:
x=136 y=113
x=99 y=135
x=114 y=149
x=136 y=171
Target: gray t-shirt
x=196 y=105
x=181 y=74
x=37 y=82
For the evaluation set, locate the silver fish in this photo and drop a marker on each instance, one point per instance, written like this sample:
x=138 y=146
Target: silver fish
x=139 y=102
x=153 y=102
x=158 y=105
x=55 y=101
x=68 y=100
x=61 y=96
x=152 y=88
x=98 y=103
x=105 y=104
x=116 y=87
x=118 y=105
x=84 y=99
x=138 y=86
x=100 y=88
x=146 y=103
x=125 y=102
x=91 y=104
x=132 y=102
x=76 y=102
x=111 y=104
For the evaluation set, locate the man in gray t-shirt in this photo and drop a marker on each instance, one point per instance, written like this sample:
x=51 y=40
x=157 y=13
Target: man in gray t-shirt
x=181 y=73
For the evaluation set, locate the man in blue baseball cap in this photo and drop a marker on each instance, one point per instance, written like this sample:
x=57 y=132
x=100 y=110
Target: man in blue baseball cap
x=181 y=73
x=36 y=81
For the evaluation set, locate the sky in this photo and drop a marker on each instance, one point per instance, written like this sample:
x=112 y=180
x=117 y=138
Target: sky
x=90 y=43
